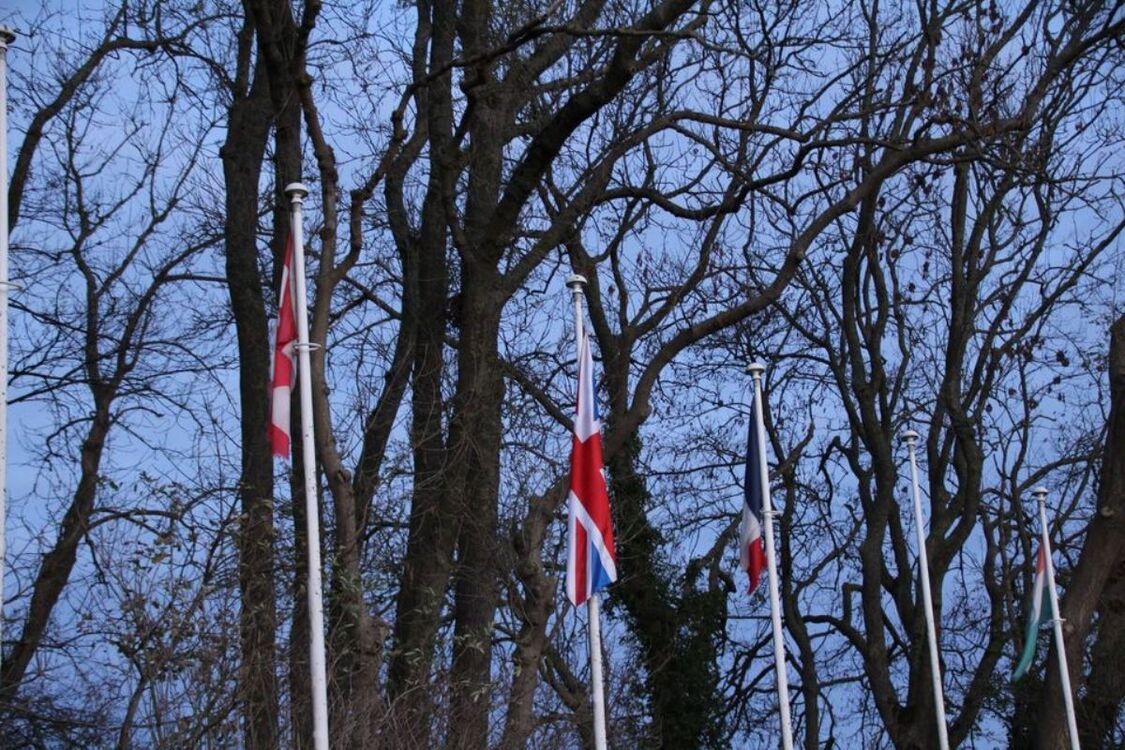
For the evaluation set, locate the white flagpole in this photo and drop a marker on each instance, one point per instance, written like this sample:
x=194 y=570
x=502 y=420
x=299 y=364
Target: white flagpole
x=297 y=192
x=756 y=369
x=6 y=38
x=910 y=436
x=576 y=283
x=1040 y=494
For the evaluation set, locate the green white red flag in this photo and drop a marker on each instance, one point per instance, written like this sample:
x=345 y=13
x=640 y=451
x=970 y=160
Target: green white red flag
x=1038 y=613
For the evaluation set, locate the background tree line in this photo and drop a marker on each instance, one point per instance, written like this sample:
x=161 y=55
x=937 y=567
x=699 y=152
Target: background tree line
x=911 y=214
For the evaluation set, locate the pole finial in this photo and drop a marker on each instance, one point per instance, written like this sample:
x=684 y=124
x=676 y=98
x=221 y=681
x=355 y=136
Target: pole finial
x=1039 y=493
x=575 y=283
x=755 y=369
x=296 y=191
x=910 y=436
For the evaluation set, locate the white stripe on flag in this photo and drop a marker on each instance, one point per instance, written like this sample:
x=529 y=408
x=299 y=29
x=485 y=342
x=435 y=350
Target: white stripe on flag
x=578 y=511
x=751 y=531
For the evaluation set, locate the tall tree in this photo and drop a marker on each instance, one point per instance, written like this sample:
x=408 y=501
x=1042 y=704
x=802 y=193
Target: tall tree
x=1093 y=601
x=877 y=200
x=107 y=240
x=250 y=117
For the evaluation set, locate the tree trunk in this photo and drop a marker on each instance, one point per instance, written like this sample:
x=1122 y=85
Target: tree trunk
x=1105 y=685
x=1097 y=582
x=432 y=534
x=534 y=610
x=242 y=155
x=300 y=676
x=679 y=634
x=57 y=564
x=475 y=479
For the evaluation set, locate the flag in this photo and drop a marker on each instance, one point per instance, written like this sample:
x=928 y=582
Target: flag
x=591 y=557
x=282 y=369
x=1038 y=613
x=752 y=552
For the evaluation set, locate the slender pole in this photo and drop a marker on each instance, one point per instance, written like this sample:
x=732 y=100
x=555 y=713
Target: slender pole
x=756 y=369
x=576 y=283
x=6 y=38
x=911 y=437
x=594 y=614
x=1040 y=494
x=297 y=193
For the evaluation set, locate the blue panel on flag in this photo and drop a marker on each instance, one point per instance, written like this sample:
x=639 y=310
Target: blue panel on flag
x=752 y=487
x=598 y=573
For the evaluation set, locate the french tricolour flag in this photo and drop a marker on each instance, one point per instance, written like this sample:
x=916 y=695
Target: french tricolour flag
x=752 y=553
x=282 y=368
x=591 y=557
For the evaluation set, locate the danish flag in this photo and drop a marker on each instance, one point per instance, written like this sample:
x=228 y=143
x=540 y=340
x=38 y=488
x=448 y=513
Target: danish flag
x=591 y=557
x=282 y=370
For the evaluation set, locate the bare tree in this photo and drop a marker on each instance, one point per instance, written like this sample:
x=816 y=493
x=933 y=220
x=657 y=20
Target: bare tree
x=250 y=117
x=880 y=201
x=101 y=250
x=984 y=268
x=1095 y=587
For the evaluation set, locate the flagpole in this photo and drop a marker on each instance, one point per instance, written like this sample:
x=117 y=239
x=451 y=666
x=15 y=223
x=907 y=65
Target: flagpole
x=297 y=192
x=576 y=283
x=911 y=437
x=1040 y=494
x=756 y=369
x=6 y=38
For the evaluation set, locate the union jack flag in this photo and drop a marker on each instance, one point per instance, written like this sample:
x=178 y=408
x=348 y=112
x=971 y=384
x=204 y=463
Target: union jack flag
x=591 y=557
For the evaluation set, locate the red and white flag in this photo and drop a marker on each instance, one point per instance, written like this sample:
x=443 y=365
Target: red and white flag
x=283 y=369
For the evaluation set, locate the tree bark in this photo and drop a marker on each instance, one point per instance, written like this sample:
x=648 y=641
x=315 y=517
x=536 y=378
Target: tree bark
x=455 y=497
x=57 y=564
x=475 y=482
x=300 y=675
x=1096 y=583
x=535 y=608
x=431 y=534
x=1105 y=685
x=243 y=152
x=679 y=632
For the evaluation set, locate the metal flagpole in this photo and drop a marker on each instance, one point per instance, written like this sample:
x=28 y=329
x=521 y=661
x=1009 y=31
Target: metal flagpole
x=297 y=192
x=756 y=369
x=911 y=437
x=6 y=38
x=1040 y=494
x=576 y=283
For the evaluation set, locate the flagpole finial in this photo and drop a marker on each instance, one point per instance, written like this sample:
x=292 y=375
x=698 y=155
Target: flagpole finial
x=755 y=369
x=1040 y=493
x=575 y=283
x=296 y=191
x=910 y=436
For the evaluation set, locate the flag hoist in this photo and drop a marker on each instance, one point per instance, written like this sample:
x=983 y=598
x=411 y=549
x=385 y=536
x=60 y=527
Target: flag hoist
x=757 y=481
x=591 y=557
x=1040 y=494
x=6 y=38
x=295 y=271
x=911 y=437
